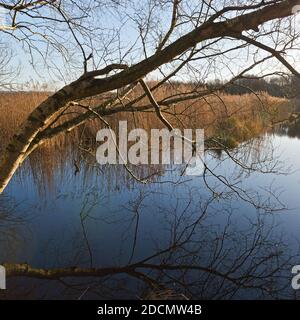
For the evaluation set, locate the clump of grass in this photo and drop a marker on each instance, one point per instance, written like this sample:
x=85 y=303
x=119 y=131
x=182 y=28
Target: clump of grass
x=230 y=132
x=250 y=121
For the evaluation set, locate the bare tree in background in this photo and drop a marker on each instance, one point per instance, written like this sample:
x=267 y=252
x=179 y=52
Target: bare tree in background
x=7 y=72
x=102 y=46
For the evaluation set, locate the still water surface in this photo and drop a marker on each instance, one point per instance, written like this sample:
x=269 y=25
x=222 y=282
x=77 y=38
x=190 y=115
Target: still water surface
x=231 y=234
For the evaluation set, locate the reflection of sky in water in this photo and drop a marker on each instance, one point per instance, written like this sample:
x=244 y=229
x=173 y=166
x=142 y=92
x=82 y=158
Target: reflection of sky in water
x=92 y=214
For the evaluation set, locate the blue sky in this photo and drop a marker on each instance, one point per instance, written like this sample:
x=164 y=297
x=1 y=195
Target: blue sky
x=59 y=70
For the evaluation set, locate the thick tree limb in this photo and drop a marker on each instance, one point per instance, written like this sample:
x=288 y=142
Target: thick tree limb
x=23 y=6
x=106 y=70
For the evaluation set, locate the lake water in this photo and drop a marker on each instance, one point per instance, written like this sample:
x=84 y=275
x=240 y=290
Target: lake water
x=232 y=233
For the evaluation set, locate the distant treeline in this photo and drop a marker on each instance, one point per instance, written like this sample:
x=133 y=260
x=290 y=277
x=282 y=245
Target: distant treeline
x=281 y=87
x=276 y=86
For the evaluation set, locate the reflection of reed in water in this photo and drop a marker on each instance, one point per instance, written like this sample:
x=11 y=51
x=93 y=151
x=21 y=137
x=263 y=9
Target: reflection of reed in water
x=290 y=128
x=13 y=228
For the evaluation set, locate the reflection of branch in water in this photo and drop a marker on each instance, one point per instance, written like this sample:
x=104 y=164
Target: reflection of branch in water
x=202 y=260
x=247 y=159
x=84 y=214
x=136 y=211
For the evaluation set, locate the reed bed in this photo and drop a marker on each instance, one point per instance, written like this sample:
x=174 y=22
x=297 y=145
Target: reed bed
x=240 y=116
